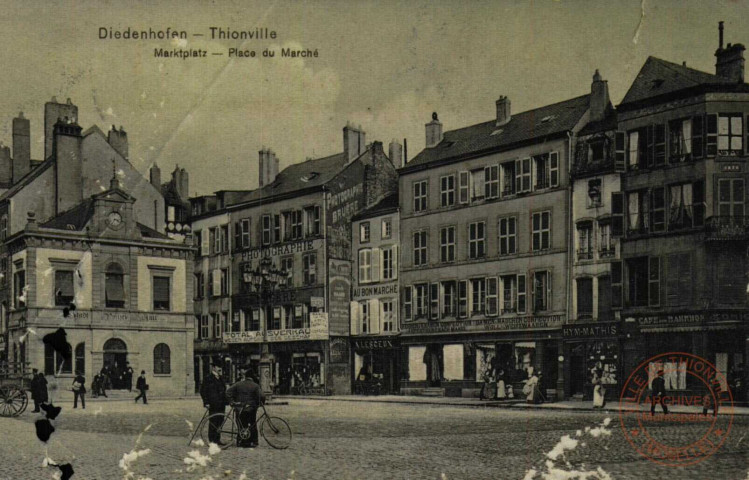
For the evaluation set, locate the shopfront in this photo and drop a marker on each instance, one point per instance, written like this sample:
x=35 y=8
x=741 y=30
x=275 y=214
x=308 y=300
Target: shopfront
x=592 y=355
x=376 y=365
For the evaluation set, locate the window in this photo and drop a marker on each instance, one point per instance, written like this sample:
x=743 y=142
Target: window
x=420 y=196
x=447 y=191
x=597 y=151
x=309 y=267
x=617 y=281
x=521 y=295
x=420 y=292
x=224 y=282
x=389 y=263
x=507 y=236
x=637 y=211
x=253 y=319
x=64 y=294
x=245 y=229
x=216 y=240
x=678 y=279
x=19 y=285
x=162 y=359
x=638 y=281
x=365 y=313
x=658 y=209
x=296 y=224
x=3 y=227
x=161 y=293
x=407 y=303
x=492 y=304
x=523 y=175
x=217 y=325
x=513 y=294
x=605 y=245
x=275 y=320
x=204 y=330
x=680 y=140
x=387 y=228
x=654 y=281
x=605 y=312
x=491 y=181
x=554 y=169
x=731 y=198
x=730 y=134
x=388 y=315
x=420 y=248
x=54 y=363
x=364 y=232
x=584 y=297
x=447 y=244
x=312 y=221
x=478 y=181
x=463 y=299
x=476 y=240
x=365 y=265
x=647 y=147
x=541 y=163
x=585 y=240
x=680 y=213
x=80 y=359
x=634 y=150
x=301 y=316
x=449 y=296
x=464 y=187
x=266 y=230
x=287 y=265
x=114 y=287
x=434 y=301
x=594 y=193
x=277 y=228
x=170 y=214
x=541 y=234
x=508 y=178
x=225 y=238
x=541 y=291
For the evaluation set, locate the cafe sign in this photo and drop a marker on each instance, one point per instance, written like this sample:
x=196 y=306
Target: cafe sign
x=485 y=325
x=691 y=319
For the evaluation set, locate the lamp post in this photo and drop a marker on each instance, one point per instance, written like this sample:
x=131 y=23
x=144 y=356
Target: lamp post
x=266 y=278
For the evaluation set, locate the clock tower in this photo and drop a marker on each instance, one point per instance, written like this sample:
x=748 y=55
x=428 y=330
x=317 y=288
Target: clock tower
x=113 y=212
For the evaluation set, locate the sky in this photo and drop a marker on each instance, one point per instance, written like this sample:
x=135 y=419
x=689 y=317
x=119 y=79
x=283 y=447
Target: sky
x=384 y=65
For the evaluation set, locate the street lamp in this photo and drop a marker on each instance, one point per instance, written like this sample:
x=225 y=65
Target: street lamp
x=265 y=279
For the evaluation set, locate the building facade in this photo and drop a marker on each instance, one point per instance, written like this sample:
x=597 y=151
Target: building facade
x=375 y=326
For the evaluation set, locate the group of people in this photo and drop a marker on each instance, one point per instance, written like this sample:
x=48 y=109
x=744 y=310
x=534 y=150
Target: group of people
x=216 y=396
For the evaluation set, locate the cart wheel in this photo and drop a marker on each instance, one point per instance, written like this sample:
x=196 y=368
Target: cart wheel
x=14 y=401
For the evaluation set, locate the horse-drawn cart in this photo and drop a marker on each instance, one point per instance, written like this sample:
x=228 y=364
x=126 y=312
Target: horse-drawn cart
x=14 y=380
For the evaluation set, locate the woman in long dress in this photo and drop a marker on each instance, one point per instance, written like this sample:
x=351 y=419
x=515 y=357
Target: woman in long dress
x=599 y=392
x=501 y=389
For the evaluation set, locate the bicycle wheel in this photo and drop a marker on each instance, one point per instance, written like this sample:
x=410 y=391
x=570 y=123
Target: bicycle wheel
x=276 y=432
x=227 y=430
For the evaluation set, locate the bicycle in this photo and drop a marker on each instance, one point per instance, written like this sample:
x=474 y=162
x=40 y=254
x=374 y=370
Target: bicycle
x=274 y=430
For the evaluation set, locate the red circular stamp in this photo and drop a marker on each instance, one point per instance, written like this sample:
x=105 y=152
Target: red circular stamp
x=676 y=409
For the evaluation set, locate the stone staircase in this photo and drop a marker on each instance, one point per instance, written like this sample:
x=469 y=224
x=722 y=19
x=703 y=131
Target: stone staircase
x=432 y=392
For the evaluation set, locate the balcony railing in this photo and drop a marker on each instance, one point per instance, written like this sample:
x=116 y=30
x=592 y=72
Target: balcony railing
x=585 y=254
x=727 y=228
x=607 y=252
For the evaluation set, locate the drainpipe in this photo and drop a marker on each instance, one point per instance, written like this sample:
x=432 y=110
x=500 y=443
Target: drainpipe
x=563 y=366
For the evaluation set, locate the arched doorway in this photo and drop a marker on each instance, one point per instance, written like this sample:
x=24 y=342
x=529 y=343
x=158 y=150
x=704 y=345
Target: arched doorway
x=115 y=361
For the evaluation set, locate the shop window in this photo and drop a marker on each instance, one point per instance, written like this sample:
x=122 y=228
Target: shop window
x=449 y=297
x=420 y=196
x=730 y=134
x=541 y=291
x=476 y=240
x=309 y=266
x=64 y=294
x=541 y=231
x=162 y=361
x=584 y=297
x=80 y=359
x=420 y=248
x=508 y=236
x=114 y=286
x=453 y=362
x=447 y=244
x=447 y=191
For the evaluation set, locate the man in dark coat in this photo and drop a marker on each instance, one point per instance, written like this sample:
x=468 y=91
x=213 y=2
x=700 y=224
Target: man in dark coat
x=37 y=383
x=213 y=393
x=142 y=386
x=41 y=389
x=248 y=393
x=658 y=387
x=128 y=375
x=79 y=390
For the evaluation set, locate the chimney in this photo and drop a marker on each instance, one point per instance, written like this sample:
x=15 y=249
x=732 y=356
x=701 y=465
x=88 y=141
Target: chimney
x=66 y=149
x=184 y=185
x=6 y=165
x=21 y=147
x=503 y=111
x=729 y=62
x=433 y=131
x=396 y=154
x=118 y=140
x=52 y=112
x=268 y=167
x=599 y=98
x=354 y=142
x=155 y=176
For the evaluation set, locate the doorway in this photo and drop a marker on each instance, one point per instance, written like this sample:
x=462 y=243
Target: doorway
x=115 y=364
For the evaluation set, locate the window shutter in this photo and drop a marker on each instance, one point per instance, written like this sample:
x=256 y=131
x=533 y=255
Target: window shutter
x=654 y=281
x=407 y=303
x=491 y=296
x=549 y=304
x=616 y=284
x=464 y=179
x=355 y=320
x=518 y=176
x=216 y=282
x=650 y=143
x=237 y=236
x=521 y=293
x=394 y=255
x=698 y=203
x=554 y=169
x=617 y=214
x=659 y=144
x=374 y=316
x=205 y=245
x=361 y=266
x=619 y=156
x=161 y=289
x=463 y=299
x=698 y=136
x=376 y=265
x=711 y=143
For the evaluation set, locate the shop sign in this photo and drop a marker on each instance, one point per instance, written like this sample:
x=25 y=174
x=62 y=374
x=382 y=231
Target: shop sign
x=288 y=335
x=275 y=251
x=671 y=320
x=374 y=344
x=387 y=289
x=590 y=330
x=339 y=352
x=318 y=325
x=317 y=302
x=340 y=296
x=485 y=325
x=243 y=337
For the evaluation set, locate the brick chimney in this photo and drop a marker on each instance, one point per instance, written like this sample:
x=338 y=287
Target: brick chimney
x=433 y=131
x=118 y=140
x=354 y=142
x=267 y=166
x=395 y=151
x=155 y=176
x=6 y=165
x=599 y=98
x=504 y=114
x=66 y=147
x=52 y=112
x=729 y=62
x=21 y=147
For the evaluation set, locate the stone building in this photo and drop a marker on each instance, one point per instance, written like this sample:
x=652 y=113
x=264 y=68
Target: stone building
x=85 y=227
x=681 y=284
x=176 y=199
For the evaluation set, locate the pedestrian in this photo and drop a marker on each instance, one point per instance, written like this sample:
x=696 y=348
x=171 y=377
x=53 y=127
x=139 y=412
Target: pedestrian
x=501 y=389
x=709 y=402
x=79 y=390
x=213 y=393
x=129 y=376
x=658 y=391
x=248 y=393
x=34 y=386
x=95 y=386
x=532 y=389
x=42 y=395
x=599 y=392
x=103 y=384
x=142 y=386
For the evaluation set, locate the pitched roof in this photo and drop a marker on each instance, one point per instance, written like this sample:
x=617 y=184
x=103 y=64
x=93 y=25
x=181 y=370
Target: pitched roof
x=659 y=77
x=388 y=204
x=74 y=218
x=526 y=126
x=312 y=173
x=28 y=178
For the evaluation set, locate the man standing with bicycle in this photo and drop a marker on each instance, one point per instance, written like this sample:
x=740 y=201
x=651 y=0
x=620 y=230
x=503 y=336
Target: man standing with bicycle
x=213 y=392
x=249 y=394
